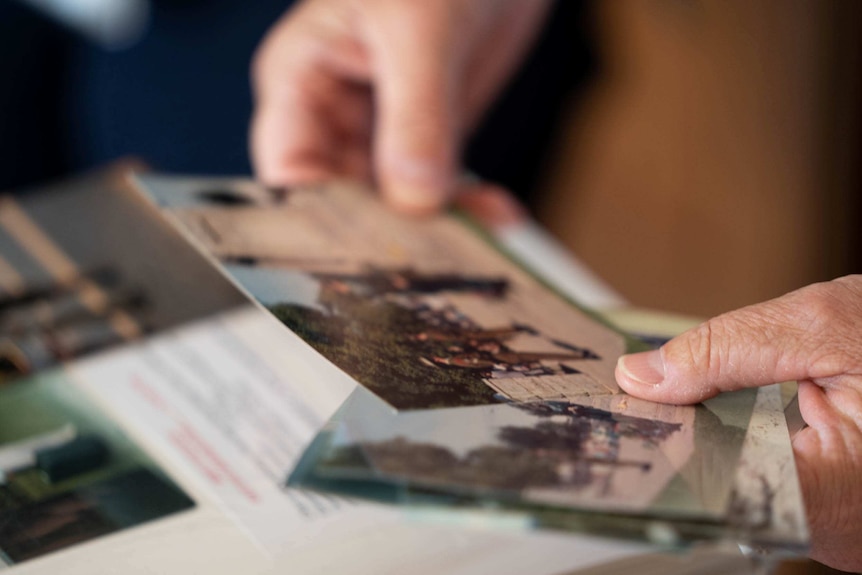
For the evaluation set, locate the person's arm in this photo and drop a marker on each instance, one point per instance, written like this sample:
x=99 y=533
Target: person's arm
x=814 y=336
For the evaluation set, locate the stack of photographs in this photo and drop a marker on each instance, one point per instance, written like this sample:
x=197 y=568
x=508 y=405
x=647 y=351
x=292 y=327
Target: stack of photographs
x=482 y=391
x=78 y=277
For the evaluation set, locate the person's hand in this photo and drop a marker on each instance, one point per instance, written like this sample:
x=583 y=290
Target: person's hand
x=384 y=89
x=814 y=336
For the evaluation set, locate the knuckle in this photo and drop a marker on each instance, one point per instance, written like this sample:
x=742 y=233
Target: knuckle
x=830 y=314
x=698 y=345
x=695 y=353
x=707 y=347
x=820 y=305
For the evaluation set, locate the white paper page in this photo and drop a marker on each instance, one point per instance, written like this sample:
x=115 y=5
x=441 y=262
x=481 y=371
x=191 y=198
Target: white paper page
x=224 y=402
x=216 y=407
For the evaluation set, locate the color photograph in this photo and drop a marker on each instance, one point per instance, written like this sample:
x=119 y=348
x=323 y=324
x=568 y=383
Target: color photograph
x=605 y=453
x=424 y=313
x=504 y=393
x=67 y=474
x=89 y=269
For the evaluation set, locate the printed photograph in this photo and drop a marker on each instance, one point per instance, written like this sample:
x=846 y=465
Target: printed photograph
x=424 y=313
x=67 y=474
x=607 y=453
x=505 y=392
x=88 y=268
x=48 y=324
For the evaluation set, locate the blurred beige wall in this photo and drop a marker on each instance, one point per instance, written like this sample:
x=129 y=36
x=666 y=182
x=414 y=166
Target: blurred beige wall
x=714 y=164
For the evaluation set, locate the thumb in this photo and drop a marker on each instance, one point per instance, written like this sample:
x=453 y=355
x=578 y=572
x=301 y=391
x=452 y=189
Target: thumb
x=418 y=61
x=799 y=336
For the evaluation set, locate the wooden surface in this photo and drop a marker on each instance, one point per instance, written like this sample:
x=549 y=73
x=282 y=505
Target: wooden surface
x=711 y=167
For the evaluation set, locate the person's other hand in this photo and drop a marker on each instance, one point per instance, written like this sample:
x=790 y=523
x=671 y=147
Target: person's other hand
x=814 y=336
x=384 y=89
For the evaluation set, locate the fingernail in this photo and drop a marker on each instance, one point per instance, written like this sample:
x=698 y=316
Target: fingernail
x=645 y=368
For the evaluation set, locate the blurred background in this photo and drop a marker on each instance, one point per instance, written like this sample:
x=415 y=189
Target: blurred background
x=700 y=155
x=715 y=160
